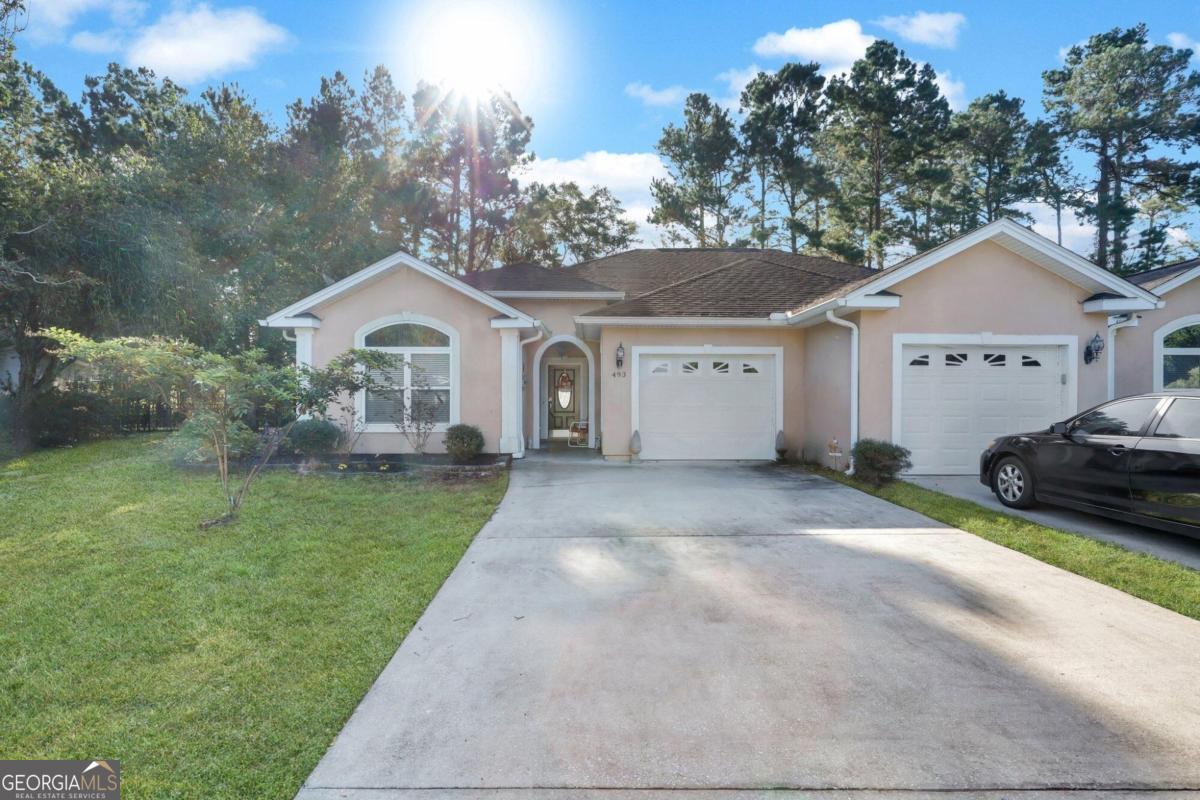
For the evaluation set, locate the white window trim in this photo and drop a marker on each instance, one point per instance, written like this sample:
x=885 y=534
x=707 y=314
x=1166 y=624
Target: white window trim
x=360 y=336
x=899 y=340
x=1160 y=350
x=702 y=350
x=535 y=437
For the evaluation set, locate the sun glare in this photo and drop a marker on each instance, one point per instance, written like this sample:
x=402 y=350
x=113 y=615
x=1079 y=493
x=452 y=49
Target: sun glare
x=474 y=48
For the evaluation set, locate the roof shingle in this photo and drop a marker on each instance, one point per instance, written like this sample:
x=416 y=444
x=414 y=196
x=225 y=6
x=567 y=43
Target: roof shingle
x=1153 y=278
x=525 y=277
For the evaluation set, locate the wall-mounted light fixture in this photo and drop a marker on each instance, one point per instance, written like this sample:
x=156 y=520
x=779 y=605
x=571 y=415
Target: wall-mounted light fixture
x=1093 y=350
x=620 y=355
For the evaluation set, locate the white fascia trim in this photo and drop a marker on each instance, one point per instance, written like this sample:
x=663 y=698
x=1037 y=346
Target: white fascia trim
x=1178 y=280
x=815 y=314
x=516 y=323
x=382 y=267
x=1027 y=237
x=559 y=295
x=290 y=322
x=702 y=350
x=899 y=340
x=1119 y=305
x=683 y=322
x=1159 y=350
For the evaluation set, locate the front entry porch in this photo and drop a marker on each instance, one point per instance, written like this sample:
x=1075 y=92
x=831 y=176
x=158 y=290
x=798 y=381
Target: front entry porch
x=563 y=380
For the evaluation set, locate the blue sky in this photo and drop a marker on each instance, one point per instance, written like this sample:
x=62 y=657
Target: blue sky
x=600 y=79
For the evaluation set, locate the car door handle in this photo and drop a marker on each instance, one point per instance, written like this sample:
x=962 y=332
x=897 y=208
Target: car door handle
x=1117 y=449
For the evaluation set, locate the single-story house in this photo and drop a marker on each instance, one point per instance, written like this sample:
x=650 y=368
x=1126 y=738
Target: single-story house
x=731 y=353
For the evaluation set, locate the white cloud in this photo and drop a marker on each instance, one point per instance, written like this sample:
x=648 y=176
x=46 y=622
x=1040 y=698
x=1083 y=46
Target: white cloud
x=835 y=45
x=49 y=20
x=669 y=96
x=1077 y=236
x=89 y=42
x=191 y=44
x=1181 y=41
x=936 y=30
x=955 y=91
x=626 y=175
x=735 y=81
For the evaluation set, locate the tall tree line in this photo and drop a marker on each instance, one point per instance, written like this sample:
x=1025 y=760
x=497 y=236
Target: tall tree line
x=872 y=165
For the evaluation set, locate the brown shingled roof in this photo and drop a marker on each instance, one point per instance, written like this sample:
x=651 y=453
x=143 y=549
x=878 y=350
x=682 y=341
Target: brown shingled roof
x=754 y=284
x=526 y=277
x=1153 y=278
x=637 y=272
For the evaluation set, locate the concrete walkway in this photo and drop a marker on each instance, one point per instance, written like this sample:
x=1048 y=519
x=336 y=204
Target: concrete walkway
x=659 y=631
x=1172 y=547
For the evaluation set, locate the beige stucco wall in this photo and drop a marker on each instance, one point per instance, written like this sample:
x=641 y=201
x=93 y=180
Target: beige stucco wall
x=405 y=290
x=558 y=316
x=986 y=288
x=1135 y=346
x=827 y=390
x=617 y=387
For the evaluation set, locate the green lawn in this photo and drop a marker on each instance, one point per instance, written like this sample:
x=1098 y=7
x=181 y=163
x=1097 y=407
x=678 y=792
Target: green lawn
x=1165 y=583
x=213 y=664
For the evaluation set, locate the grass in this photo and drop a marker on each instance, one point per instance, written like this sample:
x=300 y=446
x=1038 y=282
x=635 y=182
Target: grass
x=1164 y=583
x=212 y=664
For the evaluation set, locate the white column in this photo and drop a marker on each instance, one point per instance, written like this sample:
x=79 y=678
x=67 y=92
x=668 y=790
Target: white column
x=510 y=392
x=304 y=343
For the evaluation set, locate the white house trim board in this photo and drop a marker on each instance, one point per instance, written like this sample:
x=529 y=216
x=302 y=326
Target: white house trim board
x=1159 y=350
x=1118 y=305
x=511 y=409
x=535 y=436
x=1013 y=236
x=456 y=386
x=1177 y=281
x=701 y=350
x=899 y=340
x=281 y=319
x=683 y=322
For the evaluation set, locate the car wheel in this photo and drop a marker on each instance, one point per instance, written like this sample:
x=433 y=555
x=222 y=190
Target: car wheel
x=1013 y=483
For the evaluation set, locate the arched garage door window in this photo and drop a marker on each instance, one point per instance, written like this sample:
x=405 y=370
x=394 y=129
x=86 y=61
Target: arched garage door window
x=426 y=375
x=1177 y=347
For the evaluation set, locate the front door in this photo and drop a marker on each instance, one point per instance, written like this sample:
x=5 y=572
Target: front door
x=563 y=400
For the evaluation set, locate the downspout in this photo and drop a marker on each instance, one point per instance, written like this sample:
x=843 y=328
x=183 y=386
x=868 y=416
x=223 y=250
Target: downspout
x=1115 y=324
x=541 y=333
x=833 y=318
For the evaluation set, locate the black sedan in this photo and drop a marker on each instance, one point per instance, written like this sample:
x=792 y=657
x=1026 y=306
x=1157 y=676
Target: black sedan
x=1137 y=459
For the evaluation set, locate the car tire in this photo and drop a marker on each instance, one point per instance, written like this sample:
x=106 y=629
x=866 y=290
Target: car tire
x=1012 y=483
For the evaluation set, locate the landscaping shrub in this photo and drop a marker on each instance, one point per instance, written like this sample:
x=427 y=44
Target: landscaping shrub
x=72 y=414
x=878 y=462
x=314 y=437
x=463 y=443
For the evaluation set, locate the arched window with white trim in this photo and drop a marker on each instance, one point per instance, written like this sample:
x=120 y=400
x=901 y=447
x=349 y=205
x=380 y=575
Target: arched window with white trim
x=426 y=374
x=1177 y=354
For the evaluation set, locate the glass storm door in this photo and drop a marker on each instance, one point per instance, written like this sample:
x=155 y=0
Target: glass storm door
x=563 y=401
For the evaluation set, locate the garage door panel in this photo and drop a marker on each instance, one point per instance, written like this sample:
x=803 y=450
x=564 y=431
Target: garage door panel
x=955 y=398
x=707 y=406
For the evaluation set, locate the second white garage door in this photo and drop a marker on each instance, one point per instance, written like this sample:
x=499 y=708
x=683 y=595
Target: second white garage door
x=956 y=398
x=707 y=406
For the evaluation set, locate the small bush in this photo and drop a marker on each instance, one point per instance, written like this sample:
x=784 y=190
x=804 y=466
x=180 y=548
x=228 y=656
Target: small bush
x=314 y=437
x=192 y=445
x=69 y=415
x=878 y=462
x=463 y=443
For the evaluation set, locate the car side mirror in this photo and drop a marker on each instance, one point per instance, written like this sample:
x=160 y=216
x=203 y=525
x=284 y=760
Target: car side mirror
x=1060 y=428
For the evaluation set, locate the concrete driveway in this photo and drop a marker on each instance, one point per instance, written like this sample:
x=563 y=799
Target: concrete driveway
x=1170 y=546
x=635 y=631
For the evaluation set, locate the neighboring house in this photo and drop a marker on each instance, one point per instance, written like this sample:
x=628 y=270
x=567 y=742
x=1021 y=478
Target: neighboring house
x=710 y=354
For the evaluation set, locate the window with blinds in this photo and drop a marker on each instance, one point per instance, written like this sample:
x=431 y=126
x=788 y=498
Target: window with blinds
x=422 y=385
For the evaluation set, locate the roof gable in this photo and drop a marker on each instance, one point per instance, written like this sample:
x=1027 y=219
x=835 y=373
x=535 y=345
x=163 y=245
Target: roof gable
x=1168 y=278
x=297 y=313
x=1034 y=247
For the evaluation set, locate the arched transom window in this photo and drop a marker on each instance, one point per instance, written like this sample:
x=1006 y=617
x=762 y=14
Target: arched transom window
x=424 y=377
x=1181 y=357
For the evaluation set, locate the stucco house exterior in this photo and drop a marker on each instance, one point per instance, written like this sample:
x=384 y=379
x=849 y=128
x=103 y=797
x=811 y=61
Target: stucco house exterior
x=731 y=353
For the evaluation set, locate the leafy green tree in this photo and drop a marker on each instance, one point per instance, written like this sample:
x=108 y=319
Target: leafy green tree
x=558 y=224
x=698 y=202
x=992 y=138
x=887 y=118
x=784 y=113
x=1049 y=170
x=1133 y=107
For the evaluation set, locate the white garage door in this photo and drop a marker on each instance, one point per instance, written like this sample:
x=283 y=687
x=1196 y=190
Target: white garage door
x=697 y=406
x=956 y=398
